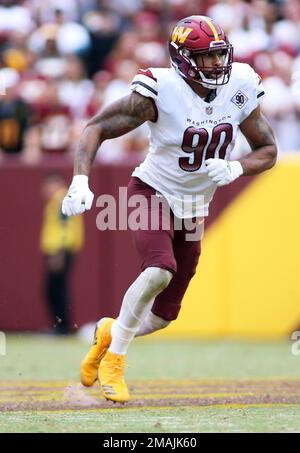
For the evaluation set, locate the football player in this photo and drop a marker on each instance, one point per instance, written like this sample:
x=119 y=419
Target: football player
x=194 y=110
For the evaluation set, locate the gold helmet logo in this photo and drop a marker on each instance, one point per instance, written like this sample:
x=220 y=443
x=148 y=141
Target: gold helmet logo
x=180 y=34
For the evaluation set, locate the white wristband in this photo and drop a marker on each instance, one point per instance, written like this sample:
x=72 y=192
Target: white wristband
x=236 y=169
x=80 y=179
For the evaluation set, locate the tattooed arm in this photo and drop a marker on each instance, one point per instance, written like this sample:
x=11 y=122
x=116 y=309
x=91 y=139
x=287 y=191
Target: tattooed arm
x=260 y=137
x=117 y=119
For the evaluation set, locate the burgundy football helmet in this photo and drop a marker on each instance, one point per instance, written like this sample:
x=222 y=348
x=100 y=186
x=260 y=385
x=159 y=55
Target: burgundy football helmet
x=196 y=35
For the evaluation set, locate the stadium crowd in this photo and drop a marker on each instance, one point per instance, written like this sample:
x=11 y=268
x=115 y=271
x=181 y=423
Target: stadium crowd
x=63 y=60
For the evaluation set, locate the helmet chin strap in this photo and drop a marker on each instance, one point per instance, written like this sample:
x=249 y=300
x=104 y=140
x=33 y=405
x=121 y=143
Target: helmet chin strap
x=194 y=71
x=204 y=81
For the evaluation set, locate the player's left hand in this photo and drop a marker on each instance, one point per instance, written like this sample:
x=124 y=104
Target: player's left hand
x=79 y=197
x=223 y=172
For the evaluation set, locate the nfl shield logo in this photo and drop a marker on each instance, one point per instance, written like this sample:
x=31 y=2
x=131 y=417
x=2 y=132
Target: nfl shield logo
x=209 y=110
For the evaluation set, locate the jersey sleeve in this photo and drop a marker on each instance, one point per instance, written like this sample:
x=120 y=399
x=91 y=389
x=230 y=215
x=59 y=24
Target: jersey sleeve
x=145 y=83
x=260 y=88
x=252 y=91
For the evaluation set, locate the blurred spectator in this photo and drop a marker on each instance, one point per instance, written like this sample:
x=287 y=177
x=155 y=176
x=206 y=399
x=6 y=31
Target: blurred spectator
x=61 y=239
x=105 y=29
x=282 y=108
x=101 y=80
x=183 y=8
x=14 y=16
x=55 y=124
x=148 y=27
x=75 y=56
x=119 y=86
x=296 y=82
x=286 y=31
x=228 y=14
x=151 y=54
x=52 y=131
x=61 y=36
x=247 y=40
x=73 y=38
x=136 y=142
x=15 y=114
x=44 y=11
x=123 y=50
x=75 y=90
x=14 y=51
x=126 y=8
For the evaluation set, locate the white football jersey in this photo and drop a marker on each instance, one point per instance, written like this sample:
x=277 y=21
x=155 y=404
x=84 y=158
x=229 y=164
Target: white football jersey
x=189 y=130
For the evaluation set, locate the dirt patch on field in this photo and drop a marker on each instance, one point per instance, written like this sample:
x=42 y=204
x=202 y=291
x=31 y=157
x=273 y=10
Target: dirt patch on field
x=61 y=395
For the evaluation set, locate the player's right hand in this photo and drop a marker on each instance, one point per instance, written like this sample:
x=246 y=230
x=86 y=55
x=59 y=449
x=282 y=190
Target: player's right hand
x=79 y=197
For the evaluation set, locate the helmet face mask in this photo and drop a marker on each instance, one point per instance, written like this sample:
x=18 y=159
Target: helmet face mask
x=193 y=41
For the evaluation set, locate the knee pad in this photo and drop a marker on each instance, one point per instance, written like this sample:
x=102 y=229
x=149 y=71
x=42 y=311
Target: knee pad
x=156 y=322
x=158 y=279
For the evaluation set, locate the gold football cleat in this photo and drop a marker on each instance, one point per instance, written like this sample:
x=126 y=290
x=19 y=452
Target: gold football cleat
x=111 y=378
x=90 y=364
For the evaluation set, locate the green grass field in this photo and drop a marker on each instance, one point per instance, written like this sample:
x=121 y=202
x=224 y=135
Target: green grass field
x=182 y=386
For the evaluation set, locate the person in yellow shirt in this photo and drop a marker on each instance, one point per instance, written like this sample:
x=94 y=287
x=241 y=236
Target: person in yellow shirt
x=61 y=239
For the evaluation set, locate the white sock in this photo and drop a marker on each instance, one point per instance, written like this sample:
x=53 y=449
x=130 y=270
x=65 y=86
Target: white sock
x=137 y=302
x=151 y=323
